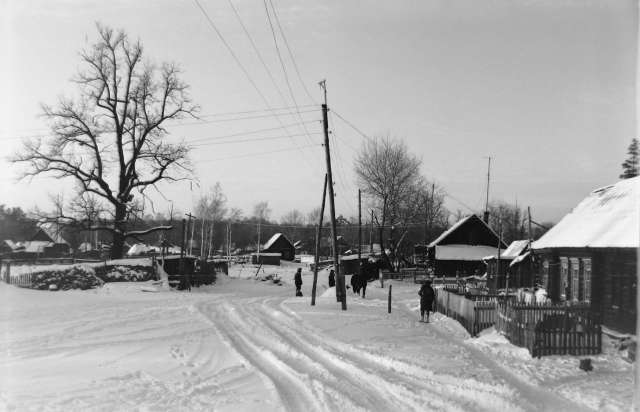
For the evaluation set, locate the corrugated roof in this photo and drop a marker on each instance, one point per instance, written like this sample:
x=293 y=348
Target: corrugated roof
x=608 y=217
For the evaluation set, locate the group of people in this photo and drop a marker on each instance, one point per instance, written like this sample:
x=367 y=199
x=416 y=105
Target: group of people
x=359 y=283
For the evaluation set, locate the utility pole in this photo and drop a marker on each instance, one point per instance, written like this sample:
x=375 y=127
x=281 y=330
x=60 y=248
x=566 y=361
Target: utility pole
x=360 y=234
x=486 y=206
x=318 y=235
x=341 y=292
x=190 y=216
x=259 y=237
x=371 y=234
x=182 y=241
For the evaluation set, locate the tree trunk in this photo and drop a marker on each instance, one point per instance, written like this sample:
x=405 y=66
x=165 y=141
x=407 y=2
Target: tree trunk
x=120 y=226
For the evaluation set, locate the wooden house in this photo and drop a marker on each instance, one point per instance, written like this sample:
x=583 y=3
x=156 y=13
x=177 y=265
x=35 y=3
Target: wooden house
x=266 y=258
x=460 y=250
x=50 y=233
x=591 y=254
x=279 y=243
x=501 y=267
x=349 y=264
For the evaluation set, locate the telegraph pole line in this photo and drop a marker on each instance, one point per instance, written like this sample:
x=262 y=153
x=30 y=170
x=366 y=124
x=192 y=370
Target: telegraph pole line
x=190 y=216
x=486 y=206
x=360 y=233
x=318 y=235
x=341 y=293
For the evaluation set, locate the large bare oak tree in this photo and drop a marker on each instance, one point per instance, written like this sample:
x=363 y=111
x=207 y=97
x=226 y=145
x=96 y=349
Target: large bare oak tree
x=111 y=138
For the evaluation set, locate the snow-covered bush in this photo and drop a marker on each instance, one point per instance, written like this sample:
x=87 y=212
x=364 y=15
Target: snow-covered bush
x=74 y=277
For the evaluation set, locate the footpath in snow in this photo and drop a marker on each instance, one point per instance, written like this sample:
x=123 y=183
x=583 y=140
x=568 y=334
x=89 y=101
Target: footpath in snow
x=246 y=344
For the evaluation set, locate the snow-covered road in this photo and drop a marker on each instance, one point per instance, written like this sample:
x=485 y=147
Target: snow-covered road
x=245 y=345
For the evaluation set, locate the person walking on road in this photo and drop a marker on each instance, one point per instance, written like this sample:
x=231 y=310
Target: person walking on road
x=332 y=278
x=297 y=279
x=427 y=296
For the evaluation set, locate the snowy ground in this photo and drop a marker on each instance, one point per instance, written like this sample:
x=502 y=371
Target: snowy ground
x=245 y=344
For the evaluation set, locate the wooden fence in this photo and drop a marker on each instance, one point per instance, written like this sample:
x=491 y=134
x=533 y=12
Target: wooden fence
x=550 y=329
x=22 y=280
x=475 y=313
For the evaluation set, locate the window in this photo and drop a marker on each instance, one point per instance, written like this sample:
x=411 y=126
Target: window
x=564 y=277
x=574 y=288
x=586 y=284
x=545 y=275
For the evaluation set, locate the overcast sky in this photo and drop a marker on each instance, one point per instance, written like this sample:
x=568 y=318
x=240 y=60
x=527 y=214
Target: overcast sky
x=546 y=88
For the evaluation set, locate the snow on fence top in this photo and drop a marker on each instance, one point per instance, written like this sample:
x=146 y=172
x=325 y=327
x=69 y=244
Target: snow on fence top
x=608 y=217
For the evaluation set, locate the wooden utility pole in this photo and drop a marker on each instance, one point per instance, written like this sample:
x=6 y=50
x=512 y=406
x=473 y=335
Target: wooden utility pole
x=182 y=241
x=318 y=236
x=486 y=206
x=190 y=216
x=371 y=234
x=341 y=292
x=360 y=234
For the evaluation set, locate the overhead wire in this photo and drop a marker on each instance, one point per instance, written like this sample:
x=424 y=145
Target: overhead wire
x=282 y=65
x=257 y=51
x=269 y=129
x=257 y=139
x=256 y=154
x=244 y=70
x=286 y=42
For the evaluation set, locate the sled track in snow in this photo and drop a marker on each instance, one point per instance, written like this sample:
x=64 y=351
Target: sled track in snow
x=311 y=371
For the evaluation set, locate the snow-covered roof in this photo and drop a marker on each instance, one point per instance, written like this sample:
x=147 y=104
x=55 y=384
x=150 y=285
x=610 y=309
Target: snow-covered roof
x=53 y=230
x=267 y=254
x=273 y=239
x=456 y=226
x=36 y=246
x=463 y=252
x=449 y=231
x=139 y=248
x=519 y=259
x=607 y=217
x=363 y=256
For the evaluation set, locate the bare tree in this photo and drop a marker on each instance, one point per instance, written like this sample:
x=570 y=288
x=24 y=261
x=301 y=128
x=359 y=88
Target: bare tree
x=507 y=219
x=110 y=138
x=293 y=217
x=388 y=174
x=261 y=211
x=211 y=209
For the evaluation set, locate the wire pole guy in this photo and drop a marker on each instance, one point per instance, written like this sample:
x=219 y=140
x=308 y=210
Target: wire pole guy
x=341 y=292
x=318 y=236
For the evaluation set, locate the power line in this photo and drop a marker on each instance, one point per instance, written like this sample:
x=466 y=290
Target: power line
x=244 y=70
x=257 y=139
x=284 y=70
x=293 y=60
x=259 y=153
x=255 y=48
x=352 y=125
x=178 y=124
x=247 y=133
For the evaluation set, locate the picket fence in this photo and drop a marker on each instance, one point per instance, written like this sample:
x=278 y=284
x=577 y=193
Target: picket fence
x=474 y=313
x=546 y=329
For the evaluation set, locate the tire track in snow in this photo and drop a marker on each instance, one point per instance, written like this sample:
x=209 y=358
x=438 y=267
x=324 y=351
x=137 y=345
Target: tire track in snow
x=535 y=398
x=415 y=386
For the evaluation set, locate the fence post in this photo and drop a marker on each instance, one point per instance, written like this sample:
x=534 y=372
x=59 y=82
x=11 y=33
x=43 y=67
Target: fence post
x=389 y=302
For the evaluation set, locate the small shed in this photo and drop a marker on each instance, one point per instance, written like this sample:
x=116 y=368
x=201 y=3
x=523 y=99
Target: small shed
x=460 y=250
x=590 y=256
x=349 y=264
x=266 y=258
x=280 y=244
x=50 y=233
x=497 y=270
